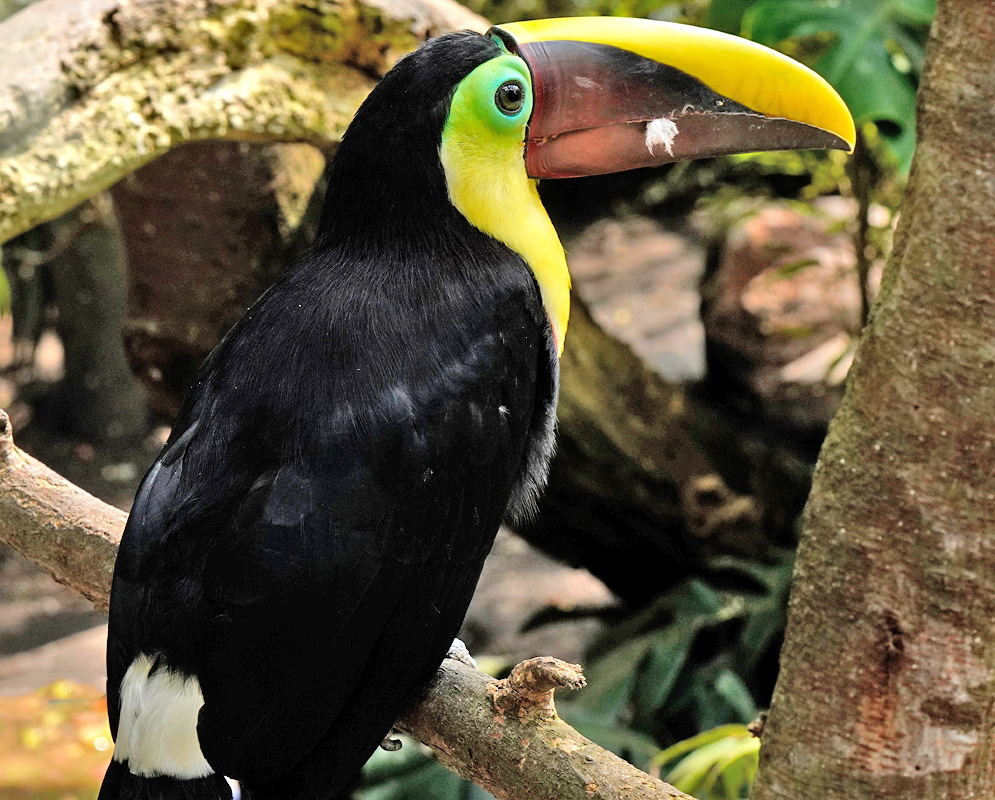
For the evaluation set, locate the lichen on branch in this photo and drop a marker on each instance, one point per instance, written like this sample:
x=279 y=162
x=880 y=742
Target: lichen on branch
x=120 y=83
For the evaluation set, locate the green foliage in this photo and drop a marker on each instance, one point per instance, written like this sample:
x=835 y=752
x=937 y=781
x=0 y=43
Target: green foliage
x=692 y=661
x=871 y=51
x=718 y=764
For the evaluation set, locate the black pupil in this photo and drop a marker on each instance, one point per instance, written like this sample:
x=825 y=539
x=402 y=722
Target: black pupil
x=510 y=97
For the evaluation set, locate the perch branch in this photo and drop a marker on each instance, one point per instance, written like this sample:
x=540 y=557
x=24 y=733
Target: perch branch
x=506 y=737
x=68 y=532
x=503 y=735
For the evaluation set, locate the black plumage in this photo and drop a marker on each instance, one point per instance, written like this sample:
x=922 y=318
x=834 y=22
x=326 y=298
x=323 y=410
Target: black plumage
x=308 y=541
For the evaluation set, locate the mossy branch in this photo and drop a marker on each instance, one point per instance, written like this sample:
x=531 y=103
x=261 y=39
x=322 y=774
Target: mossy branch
x=117 y=83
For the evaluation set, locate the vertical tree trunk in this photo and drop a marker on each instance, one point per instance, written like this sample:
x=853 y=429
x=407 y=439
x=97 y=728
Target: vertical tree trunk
x=98 y=398
x=887 y=684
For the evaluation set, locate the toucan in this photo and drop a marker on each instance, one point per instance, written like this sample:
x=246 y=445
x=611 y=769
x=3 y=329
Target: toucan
x=300 y=556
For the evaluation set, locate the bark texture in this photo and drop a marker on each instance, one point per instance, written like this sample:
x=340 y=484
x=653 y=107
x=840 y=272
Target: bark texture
x=207 y=227
x=118 y=82
x=887 y=686
x=56 y=524
x=503 y=735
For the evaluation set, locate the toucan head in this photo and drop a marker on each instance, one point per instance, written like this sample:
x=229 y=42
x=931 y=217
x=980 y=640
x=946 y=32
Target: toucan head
x=469 y=122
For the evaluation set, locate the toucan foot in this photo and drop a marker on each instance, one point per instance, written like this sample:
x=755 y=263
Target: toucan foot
x=390 y=745
x=458 y=652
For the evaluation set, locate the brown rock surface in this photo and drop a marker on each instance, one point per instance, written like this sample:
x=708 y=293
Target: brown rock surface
x=781 y=310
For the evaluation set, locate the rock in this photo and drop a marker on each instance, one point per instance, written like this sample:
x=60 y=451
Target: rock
x=781 y=311
x=207 y=228
x=641 y=283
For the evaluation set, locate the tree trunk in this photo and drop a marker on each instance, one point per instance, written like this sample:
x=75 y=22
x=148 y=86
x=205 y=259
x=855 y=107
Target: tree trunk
x=98 y=398
x=887 y=685
x=207 y=228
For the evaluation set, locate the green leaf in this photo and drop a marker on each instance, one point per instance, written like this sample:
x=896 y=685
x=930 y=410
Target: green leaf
x=731 y=688
x=700 y=770
x=858 y=63
x=740 y=767
x=733 y=771
x=664 y=664
x=771 y=22
x=611 y=679
x=727 y=15
x=675 y=751
x=711 y=707
x=916 y=11
x=876 y=92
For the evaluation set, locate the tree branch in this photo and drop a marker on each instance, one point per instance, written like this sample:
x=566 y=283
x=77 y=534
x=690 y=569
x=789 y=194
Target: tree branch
x=503 y=735
x=119 y=82
x=506 y=737
x=68 y=532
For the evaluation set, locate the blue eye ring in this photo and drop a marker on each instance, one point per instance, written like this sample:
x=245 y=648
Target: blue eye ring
x=510 y=98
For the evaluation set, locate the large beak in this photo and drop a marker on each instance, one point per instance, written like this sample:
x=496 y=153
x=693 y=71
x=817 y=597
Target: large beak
x=612 y=94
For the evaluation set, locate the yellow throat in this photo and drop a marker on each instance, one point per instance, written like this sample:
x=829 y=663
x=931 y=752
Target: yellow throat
x=485 y=172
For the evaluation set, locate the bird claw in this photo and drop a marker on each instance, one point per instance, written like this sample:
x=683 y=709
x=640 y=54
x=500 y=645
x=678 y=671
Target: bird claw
x=390 y=745
x=458 y=652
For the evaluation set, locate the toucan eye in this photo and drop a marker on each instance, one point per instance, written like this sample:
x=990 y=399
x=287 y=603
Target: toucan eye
x=510 y=97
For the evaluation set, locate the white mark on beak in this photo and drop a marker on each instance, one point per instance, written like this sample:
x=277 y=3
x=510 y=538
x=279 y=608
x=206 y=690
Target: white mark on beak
x=585 y=83
x=661 y=131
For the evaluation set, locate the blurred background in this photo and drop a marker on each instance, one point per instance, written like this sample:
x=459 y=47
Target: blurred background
x=717 y=306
